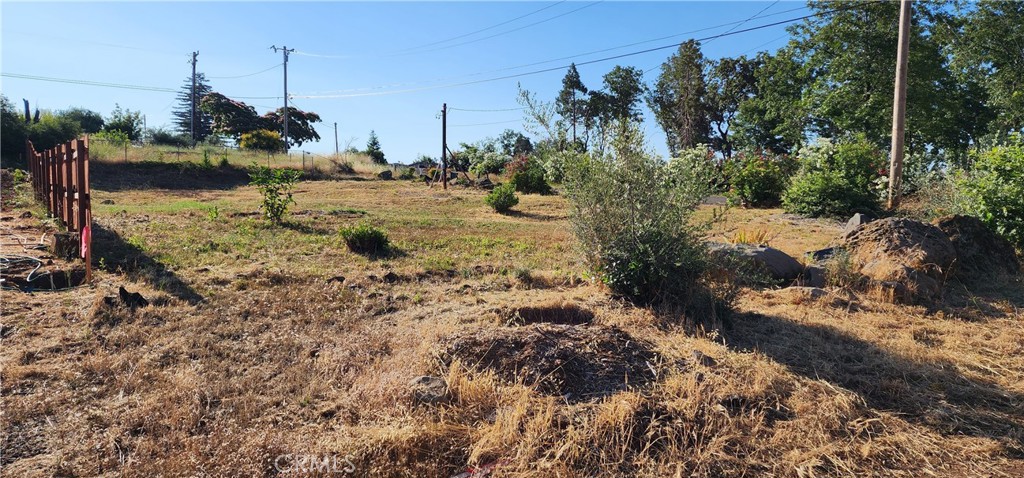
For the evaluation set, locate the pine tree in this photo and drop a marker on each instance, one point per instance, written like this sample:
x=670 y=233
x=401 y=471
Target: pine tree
x=182 y=120
x=373 y=149
x=571 y=102
x=679 y=98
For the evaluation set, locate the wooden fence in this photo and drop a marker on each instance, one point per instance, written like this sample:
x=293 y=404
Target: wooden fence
x=60 y=178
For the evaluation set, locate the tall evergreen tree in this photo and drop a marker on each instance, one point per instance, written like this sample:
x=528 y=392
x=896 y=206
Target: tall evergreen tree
x=571 y=101
x=182 y=113
x=679 y=98
x=373 y=149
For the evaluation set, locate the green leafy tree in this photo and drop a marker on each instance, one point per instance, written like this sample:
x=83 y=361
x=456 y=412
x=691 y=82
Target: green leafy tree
x=679 y=98
x=514 y=143
x=52 y=130
x=230 y=117
x=300 y=124
x=182 y=113
x=126 y=121
x=774 y=119
x=731 y=82
x=996 y=189
x=373 y=149
x=90 y=121
x=13 y=130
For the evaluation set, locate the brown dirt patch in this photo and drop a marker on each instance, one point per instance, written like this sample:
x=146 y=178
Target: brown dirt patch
x=579 y=363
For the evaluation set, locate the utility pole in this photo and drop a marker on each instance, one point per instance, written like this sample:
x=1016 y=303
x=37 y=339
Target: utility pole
x=286 y=51
x=899 y=107
x=336 y=152
x=192 y=113
x=444 y=145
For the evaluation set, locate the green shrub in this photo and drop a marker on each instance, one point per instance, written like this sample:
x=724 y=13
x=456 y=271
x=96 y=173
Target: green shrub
x=758 y=180
x=166 y=138
x=529 y=179
x=276 y=187
x=837 y=180
x=52 y=130
x=408 y=173
x=827 y=194
x=996 y=189
x=364 y=238
x=631 y=212
x=502 y=198
x=261 y=140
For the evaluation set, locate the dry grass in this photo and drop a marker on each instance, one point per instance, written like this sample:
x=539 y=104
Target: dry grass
x=250 y=353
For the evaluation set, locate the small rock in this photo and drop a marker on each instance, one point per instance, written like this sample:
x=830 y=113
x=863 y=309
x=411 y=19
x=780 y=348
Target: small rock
x=390 y=278
x=25 y=215
x=822 y=254
x=814 y=276
x=132 y=300
x=107 y=201
x=858 y=220
x=386 y=175
x=338 y=279
x=702 y=358
x=429 y=390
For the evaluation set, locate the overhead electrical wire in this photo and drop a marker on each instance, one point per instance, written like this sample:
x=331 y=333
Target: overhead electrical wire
x=483 y=124
x=118 y=85
x=244 y=76
x=499 y=33
x=452 y=108
x=569 y=57
x=599 y=60
x=496 y=25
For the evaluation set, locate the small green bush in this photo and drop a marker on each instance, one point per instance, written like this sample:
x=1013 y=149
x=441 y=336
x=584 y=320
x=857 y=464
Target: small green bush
x=166 y=138
x=757 y=180
x=996 y=189
x=530 y=180
x=276 y=187
x=631 y=212
x=502 y=198
x=408 y=173
x=837 y=180
x=261 y=140
x=827 y=194
x=364 y=238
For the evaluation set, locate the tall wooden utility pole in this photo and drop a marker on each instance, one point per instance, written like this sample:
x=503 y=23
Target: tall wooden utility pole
x=285 y=51
x=899 y=107
x=336 y=152
x=444 y=145
x=192 y=113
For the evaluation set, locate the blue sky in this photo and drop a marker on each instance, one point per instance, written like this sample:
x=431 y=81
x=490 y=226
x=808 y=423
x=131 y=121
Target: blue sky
x=386 y=66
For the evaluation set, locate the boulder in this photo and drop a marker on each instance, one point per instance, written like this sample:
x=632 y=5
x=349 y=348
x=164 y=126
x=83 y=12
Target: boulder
x=981 y=255
x=386 y=175
x=779 y=265
x=429 y=390
x=916 y=255
x=858 y=220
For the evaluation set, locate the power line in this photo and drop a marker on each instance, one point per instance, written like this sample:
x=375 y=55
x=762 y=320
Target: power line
x=569 y=57
x=243 y=76
x=546 y=70
x=485 y=29
x=485 y=124
x=118 y=85
x=486 y=110
x=499 y=33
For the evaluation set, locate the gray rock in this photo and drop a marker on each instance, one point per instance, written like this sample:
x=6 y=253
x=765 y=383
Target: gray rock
x=779 y=265
x=858 y=220
x=386 y=175
x=814 y=276
x=429 y=390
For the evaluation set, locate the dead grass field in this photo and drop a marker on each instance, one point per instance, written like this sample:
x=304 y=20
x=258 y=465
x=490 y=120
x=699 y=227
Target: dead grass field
x=249 y=352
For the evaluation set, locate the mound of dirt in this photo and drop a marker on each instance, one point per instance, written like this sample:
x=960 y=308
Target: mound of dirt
x=914 y=256
x=578 y=362
x=981 y=255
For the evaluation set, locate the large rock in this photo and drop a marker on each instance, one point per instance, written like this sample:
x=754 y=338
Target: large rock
x=902 y=251
x=858 y=220
x=981 y=255
x=779 y=265
x=386 y=175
